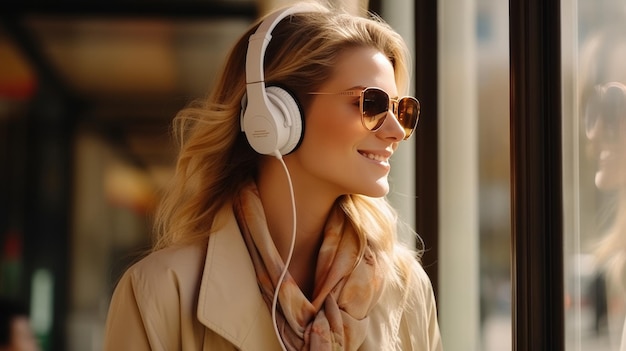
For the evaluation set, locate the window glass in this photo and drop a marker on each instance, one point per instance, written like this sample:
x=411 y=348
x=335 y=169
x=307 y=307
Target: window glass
x=474 y=178
x=492 y=32
x=594 y=130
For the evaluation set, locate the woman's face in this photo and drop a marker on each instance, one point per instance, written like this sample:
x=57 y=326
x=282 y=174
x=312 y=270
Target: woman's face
x=338 y=155
x=605 y=127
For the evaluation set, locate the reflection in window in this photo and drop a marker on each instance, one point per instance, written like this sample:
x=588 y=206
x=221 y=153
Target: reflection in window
x=595 y=249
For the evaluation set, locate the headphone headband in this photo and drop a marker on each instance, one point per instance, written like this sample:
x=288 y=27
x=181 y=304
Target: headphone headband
x=258 y=42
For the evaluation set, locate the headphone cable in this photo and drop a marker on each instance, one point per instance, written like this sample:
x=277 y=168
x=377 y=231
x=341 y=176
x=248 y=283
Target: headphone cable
x=293 y=242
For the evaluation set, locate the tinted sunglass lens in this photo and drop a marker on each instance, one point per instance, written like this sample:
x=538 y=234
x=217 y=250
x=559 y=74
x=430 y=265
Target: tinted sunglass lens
x=408 y=114
x=375 y=107
x=604 y=111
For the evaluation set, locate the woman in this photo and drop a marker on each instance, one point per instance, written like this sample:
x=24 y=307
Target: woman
x=294 y=203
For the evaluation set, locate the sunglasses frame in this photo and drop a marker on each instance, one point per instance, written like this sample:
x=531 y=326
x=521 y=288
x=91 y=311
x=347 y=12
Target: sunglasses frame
x=393 y=105
x=598 y=101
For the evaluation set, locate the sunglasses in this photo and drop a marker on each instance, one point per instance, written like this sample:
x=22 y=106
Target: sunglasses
x=607 y=103
x=375 y=103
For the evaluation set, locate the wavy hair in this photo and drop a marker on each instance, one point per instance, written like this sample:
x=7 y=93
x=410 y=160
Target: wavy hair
x=215 y=160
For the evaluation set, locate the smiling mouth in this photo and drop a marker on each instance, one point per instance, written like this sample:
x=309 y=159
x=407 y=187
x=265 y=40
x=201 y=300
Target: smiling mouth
x=374 y=157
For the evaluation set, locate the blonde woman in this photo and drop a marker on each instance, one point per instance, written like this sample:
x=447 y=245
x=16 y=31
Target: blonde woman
x=275 y=233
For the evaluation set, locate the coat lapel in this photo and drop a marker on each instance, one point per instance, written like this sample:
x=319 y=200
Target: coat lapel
x=230 y=302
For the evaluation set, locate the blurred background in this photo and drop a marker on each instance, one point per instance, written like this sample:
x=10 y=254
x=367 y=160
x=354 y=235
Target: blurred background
x=87 y=94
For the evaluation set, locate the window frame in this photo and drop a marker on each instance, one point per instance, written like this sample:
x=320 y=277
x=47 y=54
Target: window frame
x=536 y=166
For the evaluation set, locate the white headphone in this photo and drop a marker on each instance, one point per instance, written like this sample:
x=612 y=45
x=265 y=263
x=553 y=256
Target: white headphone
x=270 y=116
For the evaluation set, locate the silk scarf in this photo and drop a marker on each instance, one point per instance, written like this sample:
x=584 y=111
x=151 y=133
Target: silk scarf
x=347 y=281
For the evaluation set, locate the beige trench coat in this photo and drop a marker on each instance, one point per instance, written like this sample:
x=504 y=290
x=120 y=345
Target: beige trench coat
x=207 y=298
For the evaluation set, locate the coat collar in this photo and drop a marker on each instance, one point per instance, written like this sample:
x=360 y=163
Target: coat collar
x=230 y=302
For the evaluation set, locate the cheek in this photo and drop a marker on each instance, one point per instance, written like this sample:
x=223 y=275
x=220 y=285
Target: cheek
x=333 y=126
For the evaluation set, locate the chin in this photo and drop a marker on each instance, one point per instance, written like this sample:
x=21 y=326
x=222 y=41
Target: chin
x=381 y=189
x=375 y=187
x=377 y=194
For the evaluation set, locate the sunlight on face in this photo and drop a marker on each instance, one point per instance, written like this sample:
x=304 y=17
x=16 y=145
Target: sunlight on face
x=338 y=155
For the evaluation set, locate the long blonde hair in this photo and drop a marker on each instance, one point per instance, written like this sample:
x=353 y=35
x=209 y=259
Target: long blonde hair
x=215 y=159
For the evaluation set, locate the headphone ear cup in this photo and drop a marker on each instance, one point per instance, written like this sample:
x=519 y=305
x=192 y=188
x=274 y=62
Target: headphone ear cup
x=272 y=120
x=288 y=114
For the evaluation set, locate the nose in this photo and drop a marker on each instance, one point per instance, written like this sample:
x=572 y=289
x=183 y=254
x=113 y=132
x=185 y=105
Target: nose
x=391 y=128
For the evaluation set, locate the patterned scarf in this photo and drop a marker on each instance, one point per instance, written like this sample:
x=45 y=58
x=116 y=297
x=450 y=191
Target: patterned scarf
x=347 y=284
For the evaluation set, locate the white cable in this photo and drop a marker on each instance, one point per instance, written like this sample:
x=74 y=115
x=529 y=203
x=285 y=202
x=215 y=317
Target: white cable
x=293 y=242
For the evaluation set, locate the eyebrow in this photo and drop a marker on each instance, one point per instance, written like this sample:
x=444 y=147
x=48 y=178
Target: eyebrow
x=362 y=87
